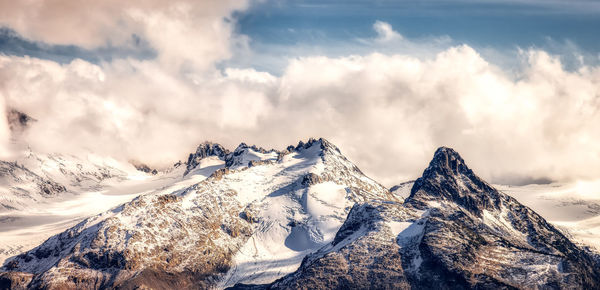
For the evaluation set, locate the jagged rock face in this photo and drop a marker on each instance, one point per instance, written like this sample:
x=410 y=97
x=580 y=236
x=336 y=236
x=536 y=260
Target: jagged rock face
x=204 y=150
x=245 y=155
x=492 y=229
x=454 y=232
x=199 y=237
x=449 y=179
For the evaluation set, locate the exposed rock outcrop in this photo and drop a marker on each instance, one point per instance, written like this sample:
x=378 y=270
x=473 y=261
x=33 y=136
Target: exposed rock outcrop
x=18 y=121
x=204 y=150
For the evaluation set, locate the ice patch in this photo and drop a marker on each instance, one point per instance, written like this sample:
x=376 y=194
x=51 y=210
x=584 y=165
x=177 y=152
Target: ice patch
x=299 y=240
x=398 y=227
x=409 y=232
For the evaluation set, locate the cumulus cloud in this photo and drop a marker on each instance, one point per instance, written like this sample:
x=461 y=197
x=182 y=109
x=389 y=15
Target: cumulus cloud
x=129 y=108
x=385 y=32
x=387 y=112
x=391 y=111
x=187 y=33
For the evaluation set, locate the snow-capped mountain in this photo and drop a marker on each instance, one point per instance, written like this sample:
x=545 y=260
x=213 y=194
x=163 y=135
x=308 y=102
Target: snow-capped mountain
x=453 y=231
x=252 y=221
x=307 y=217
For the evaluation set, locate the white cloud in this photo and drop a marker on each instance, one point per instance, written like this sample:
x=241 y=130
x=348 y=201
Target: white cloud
x=4 y=132
x=385 y=33
x=187 y=34
x=388 y=112
x=391 y=111
x=130 y=108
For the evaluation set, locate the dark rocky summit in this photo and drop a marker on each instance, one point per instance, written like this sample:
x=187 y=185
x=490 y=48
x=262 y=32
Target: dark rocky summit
x=18 y=121
x=204 y=150
x=448 y=179
x=144 y=168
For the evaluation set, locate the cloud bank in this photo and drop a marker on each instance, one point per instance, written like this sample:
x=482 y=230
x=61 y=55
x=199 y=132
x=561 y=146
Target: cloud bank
x=387 y=112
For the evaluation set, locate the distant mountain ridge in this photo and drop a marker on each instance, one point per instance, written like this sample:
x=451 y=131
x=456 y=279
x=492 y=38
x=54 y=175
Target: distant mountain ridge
x=34 y=177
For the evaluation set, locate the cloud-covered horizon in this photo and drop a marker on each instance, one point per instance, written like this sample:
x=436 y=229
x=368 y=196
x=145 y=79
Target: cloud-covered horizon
x=386 y=111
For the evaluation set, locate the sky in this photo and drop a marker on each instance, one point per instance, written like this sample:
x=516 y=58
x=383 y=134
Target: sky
x=514 y=86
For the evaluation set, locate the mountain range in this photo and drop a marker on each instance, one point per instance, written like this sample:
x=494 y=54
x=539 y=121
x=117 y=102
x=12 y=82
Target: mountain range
x=304 y=217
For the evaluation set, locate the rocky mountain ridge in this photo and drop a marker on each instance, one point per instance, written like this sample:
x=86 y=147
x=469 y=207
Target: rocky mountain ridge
x=306 y=217
x=283 y=203
x=454 y=231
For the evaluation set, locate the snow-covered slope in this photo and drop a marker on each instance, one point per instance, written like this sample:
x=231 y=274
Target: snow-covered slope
x=453 y=231
x=402 y=190
x=315 y=188
x=38 y=219
x=573 y=207
x=31 y=180
x=41 y=195
x=252 y=221
x=20 y=186
x=37 y=178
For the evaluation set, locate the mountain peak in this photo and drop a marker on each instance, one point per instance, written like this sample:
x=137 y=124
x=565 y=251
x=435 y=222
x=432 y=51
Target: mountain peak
x=447 y=161
x=243 y=146
x=18 y=121
x=246 y=155
x=454 y=231
x=204 y=150
x=324 y=144
x=449 y=178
